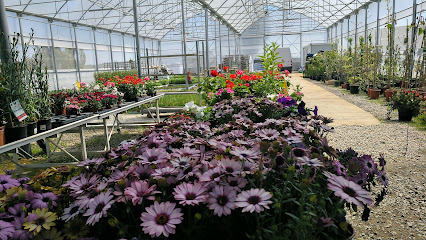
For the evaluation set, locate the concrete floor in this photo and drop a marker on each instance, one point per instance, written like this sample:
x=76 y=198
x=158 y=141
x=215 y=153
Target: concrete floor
x=332 y=106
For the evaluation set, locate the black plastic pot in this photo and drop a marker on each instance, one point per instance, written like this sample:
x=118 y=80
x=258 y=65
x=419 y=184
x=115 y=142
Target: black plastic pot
x=354 y=89
x=405 y=114
x=348 y=86
x=17 y=133
x=44 y=125
x=31 y=129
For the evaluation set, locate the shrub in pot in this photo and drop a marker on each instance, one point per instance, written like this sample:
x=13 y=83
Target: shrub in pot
x=408 y=103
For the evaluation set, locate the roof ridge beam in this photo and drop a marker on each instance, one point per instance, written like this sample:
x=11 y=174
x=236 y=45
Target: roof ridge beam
x=217 y=15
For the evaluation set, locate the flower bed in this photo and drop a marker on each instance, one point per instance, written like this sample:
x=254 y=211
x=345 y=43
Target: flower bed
x=246 y=172
x=255 y=164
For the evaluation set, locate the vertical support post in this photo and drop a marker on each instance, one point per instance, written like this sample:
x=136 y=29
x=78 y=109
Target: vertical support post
x=229 y=47
x=378 y=24
x=20 y=30
x=185 y=66
x=336 y=36
x=220 y=48
x=52 y=42
x=302 y=57
x=4 y=34
x=215 y=44
x=83 y=143
x=207 y=39
x=239 y=53
x=159 y=52
x=198 y=68
x=365 y=23
x=204 y=61
x=124 y=52
x=413 y=41
x=138 y=45
x=96 y=50
x=107 y=145
x=348 y=27
x=110 y=51
x=147 y=61
x=341 y=35
x=328 y=35
x=356 y=28
x=77 y=57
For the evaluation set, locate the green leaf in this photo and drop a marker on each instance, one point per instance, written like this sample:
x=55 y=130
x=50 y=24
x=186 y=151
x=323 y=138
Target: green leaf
x=292 y=216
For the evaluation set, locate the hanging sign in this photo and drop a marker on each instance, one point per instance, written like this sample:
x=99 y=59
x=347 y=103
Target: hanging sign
x=17 y=110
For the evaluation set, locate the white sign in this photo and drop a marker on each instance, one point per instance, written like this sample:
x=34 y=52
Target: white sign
x=17 y=110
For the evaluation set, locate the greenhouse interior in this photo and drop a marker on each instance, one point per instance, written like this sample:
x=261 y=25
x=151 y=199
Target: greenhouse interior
x=212 y=119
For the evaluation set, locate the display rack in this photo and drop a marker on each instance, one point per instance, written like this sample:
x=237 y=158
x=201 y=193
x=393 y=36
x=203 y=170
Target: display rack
x=12 y=150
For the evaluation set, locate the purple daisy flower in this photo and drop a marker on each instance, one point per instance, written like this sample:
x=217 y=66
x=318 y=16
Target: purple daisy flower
x=349 y=191
x=382 y=178
x=246 y=154
x=154 y=142
x=20 y=233
x=360 y=178
x=310 y=162
x=23 y=180
x=222 y=200
x=339 y=168
x=98 y=208
x=91 y=162
x=254 y=199
x=231 y=166
x=81 y=184
x=267 y=134
x=186 y=152
x=190 y=194
x=71 y=211
x=142 y=171
x=368 y=164
x=298 y=152
x=167 y=173
x=6 y=230
x=42 y=200
x=17 y=209
x=161 y=219
x=237 y=183
x=155 y=155
x=139 y=191
x=325 y=222
x=212 y=175
x=7 y=182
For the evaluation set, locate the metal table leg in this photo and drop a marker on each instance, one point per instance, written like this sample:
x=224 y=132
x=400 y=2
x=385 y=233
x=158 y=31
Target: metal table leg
x=107 y=145
x=83 y=143
x=157 y=111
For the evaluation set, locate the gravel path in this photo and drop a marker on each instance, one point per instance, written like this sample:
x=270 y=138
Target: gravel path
x=402 y=214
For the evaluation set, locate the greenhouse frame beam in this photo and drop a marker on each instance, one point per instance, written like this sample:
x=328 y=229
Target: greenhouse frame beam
x=217 y=15
x=4 y=28
x=53 y=53
x=138 y=46
x=206 y=25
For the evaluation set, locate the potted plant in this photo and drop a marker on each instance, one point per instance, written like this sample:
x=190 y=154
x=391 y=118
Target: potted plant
x=109 y=100
x=408 y=103
x=150 y=89
x=40 y=83
x=14 y=76
x=58 y=100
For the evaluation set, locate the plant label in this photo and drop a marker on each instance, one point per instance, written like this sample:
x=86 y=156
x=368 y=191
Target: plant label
x=18 y=111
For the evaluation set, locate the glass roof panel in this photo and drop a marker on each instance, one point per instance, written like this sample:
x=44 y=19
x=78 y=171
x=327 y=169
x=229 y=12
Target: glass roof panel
x=158 y=17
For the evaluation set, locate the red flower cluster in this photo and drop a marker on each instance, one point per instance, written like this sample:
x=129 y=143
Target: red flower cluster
x=214 y=73
x=230 y=84
x=226 y=68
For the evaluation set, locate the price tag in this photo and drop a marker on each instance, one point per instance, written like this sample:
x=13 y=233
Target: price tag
x=17 y=110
